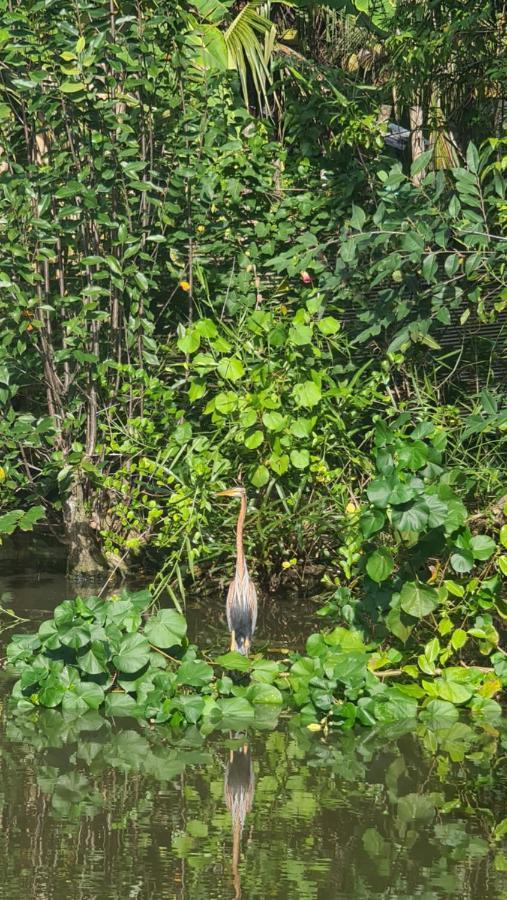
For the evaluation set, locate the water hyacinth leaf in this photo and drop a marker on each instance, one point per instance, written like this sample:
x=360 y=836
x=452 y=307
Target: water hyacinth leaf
x=265 y=694
x=94 y=660
x=418 y=599
x=194 y=672
x=379 y=565
x=235 y=661
x=235 y=709
x=118 y=703
x=453 y=691
x=166 y=629
x=133 y=654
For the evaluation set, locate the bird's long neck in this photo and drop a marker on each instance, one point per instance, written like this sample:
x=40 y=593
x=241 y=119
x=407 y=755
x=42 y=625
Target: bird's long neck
x=240 y=556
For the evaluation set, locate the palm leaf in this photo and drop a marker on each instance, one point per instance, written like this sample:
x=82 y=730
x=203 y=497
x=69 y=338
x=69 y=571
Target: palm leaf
x=250 y=40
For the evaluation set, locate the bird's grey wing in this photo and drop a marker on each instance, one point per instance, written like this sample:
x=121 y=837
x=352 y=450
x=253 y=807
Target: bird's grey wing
x=252 y=602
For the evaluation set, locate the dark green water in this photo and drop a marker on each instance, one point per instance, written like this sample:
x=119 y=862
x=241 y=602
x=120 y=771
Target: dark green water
x=106 y=811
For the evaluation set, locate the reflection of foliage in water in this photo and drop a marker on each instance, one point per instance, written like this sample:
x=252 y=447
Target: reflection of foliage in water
x=366 y=815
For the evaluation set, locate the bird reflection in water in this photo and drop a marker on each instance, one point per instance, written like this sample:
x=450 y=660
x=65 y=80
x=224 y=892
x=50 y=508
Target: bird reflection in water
x=239 y=788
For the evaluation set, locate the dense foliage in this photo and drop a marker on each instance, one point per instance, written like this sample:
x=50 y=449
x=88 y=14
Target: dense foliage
x=108 y=654
x=197 y=290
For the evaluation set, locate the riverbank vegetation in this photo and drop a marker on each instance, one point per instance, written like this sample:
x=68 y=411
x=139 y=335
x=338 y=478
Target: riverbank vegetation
x=265 y=243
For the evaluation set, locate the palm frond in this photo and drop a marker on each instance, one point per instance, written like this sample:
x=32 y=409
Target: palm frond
x=250 y=39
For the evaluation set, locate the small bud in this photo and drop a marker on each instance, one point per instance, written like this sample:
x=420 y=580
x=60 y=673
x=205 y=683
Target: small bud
x=306 y=278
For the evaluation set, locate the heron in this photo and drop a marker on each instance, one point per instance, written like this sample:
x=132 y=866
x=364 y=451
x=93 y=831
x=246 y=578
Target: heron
x=241 y=606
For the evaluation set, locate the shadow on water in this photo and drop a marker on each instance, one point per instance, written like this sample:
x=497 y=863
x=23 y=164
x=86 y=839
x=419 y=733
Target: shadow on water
x=100 y=810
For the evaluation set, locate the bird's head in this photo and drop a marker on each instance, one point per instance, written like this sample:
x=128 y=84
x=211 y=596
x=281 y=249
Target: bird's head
x=237 y=491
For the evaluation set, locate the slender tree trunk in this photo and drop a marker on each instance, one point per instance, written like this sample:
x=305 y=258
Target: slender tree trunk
x=84 y=560
x=416 y=137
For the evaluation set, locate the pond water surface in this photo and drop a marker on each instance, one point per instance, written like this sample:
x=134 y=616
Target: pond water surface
x=97 y=810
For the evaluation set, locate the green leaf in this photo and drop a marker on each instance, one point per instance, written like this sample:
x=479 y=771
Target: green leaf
x=274 y=421
x=453 y=691
x=300 y=459
x=307 y=394
x=118 y=703
x=72 y=87
x=234 y=661
x=235 y=709
x=31 y=517
x=231 y=368
x=421 y=162
x=462 y=561
x=254 y=440
x=418 y=599
x=166 y=629
x=194 y=672
x=260 y=477
x=483 y=546
x=300 y=334
x=190 y=341
x=379 y=565
x=328 y=325
x=379 y=492
x=94 y=660
x=412 y=518
x=371 y=521
x=264 y=693
x=133 y=653
x=226 y=402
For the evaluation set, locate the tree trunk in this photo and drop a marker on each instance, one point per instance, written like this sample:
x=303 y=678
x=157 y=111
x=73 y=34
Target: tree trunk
x=417 y=139
x=85 y=559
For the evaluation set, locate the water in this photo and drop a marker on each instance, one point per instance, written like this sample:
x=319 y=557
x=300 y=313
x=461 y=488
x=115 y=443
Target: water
x=101 y=811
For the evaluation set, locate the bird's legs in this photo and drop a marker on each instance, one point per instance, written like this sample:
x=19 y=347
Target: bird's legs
x=233 y=641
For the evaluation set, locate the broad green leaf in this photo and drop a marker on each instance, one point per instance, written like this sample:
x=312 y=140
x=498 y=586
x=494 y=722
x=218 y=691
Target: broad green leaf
x=418 y=599
x=235 y=661
x=300 y=334
x=483 y=546
x=133 y=653
x=264 y=693
x=462 y=561
x=328 y=325
x=300 y=459
x=231 y=368
x=274 y=421
x=254 y=440
x=190 y=341
x=379 y=565
x=307 y=394
x=260 y=476
x=166 y=629
x=194 y=672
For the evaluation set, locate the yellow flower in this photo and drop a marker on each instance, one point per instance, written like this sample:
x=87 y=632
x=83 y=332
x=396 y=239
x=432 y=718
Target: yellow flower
x=200 y=229
x=2 y=474
x=185 y=285
x=351 y=508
